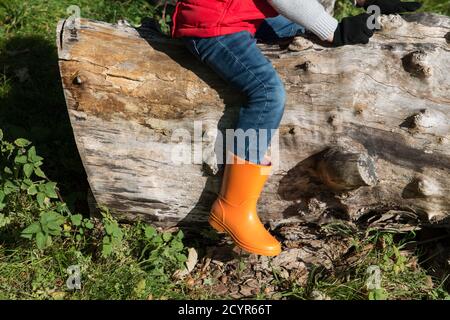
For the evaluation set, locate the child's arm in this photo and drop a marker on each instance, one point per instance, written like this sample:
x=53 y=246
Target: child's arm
x=313 y=16
x=309 y=14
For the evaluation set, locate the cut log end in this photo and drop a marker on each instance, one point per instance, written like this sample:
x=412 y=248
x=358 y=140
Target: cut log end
x=345 y=171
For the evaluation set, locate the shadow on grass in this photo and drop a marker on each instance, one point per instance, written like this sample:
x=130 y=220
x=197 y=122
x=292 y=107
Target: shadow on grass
x=32 y=106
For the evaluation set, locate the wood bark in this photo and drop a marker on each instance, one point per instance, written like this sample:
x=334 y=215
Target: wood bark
x=366 y=127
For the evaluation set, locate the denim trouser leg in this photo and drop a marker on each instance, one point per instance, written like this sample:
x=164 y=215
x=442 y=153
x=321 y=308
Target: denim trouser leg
x=238 y=60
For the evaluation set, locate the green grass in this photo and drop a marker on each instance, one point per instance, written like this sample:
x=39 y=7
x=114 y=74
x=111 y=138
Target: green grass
x=29 y=273
x=396 y=258
x=401 y=278
x=119 y=261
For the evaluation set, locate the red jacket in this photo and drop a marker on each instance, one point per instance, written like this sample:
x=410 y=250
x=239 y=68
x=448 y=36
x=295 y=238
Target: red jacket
x=209 y=18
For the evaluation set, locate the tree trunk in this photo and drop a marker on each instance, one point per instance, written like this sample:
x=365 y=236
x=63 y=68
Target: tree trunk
x=366 y=127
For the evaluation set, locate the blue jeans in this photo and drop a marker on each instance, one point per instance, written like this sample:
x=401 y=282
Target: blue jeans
x=236 y=58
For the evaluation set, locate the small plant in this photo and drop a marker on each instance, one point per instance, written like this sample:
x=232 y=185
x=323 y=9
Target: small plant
x=23 y=184
x=162 y=251
x=164 y=10
x=113 y=238
x=22 y=180
x=377 y=294
x=78 y=227
x=48 y=225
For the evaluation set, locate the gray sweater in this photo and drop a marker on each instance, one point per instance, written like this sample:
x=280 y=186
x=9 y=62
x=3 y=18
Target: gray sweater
x=309 y=14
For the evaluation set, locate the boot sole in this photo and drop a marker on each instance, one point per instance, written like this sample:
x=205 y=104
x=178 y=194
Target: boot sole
x=221 y=228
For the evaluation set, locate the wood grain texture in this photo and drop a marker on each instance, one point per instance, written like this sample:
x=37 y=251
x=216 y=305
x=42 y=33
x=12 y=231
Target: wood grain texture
x=386 y=104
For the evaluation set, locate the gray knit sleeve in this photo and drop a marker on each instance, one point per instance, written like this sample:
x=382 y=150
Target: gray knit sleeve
x=308 y=13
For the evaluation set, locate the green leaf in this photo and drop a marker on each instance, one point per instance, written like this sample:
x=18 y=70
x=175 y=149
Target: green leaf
x=22 y=142
x=28 y=169
x=140 y=287
x=44 y=228
x=22 y=159
x=41 y=187
x=2 y=196
x=88 y=224
x=40 y=199
x=8 y=170
x=39 y=173
x=117 y=233
x=157 y=239
x=54 y=232
x=49 y=241
x=32 y=190
x=106 y=249
x=38 y=163
x=41 y=240
x=50 y=217
x=180 y=235
x=31 y=153
x=181 y=257
x=166 y=236
x=50 y=190
x=54 y=225
x=33 y=228
x=4 y=220
x=76 y=219
x=9 y=187
x=177 y=245
x=378 y=294
x=61 y=207
x=149 y=232
x=109 y=228
x=1 y=134
x=32 y=156
x=28 y=236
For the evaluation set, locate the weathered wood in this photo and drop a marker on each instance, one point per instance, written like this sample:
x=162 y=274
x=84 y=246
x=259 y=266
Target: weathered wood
x=365 y=128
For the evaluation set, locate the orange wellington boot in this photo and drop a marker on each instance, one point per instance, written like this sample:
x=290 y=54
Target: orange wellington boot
x=234 y=211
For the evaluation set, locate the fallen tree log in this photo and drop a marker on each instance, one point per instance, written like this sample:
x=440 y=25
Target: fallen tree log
x=366 y=128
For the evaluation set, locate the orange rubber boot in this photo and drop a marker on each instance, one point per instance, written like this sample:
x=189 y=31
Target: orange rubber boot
x=234 y=211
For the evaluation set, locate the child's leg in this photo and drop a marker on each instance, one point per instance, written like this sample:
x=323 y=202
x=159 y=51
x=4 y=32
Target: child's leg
x=276 y=28
x=238 y=60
